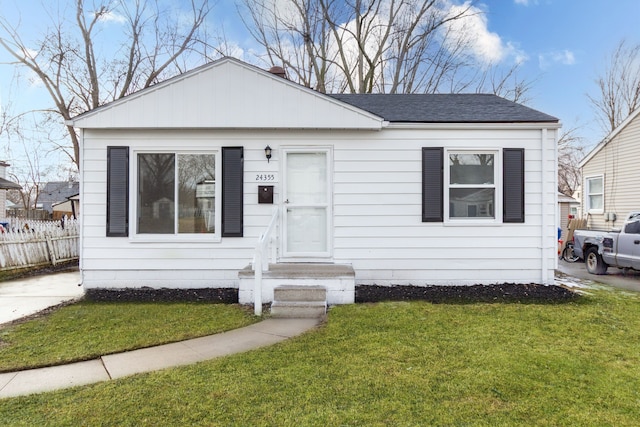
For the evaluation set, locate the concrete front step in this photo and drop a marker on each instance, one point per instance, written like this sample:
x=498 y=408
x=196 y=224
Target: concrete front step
x=337 y=279
x=300 y=293
x=298 y=309
x=299 y=301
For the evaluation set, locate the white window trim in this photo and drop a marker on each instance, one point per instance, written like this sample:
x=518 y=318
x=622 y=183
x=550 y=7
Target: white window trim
x=135 y=237
x=587 y=195
x=497 y=185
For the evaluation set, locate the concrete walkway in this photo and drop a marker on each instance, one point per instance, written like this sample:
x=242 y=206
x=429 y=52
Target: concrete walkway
x=120 y=365
x=26 y=296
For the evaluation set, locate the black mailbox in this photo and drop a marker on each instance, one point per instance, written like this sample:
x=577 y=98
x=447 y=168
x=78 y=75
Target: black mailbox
x=265 y=194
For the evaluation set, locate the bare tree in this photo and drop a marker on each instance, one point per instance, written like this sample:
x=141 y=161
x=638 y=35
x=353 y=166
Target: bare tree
x=365 y=46
x=505 y=83
x=294 y=34
x=8 y=121
x=81 y=69
x=619 y=87
x=570 y=152
x=31 y=173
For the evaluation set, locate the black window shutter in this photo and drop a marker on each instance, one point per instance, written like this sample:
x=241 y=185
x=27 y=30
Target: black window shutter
x=432 y=184
x=232 y=191
x=513 y=185
x=117 y=191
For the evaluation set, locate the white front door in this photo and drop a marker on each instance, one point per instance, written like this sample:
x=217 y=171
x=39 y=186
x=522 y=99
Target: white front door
x=307 y=203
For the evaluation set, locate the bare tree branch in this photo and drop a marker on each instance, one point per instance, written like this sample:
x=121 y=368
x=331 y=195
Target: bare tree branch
x=570 y=152
x=619 y=87
x=364 y=46
x=81 y=70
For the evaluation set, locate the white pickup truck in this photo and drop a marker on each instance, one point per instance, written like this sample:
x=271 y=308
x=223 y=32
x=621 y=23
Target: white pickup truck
x=615 y=248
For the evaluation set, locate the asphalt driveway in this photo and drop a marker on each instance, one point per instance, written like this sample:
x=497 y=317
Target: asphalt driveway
x=614 y=277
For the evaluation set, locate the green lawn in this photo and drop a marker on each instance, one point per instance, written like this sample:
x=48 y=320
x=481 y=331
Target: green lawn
x=393 y=364
x=87 y=330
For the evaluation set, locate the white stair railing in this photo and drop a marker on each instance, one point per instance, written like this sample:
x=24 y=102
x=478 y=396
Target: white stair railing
x=261 y=261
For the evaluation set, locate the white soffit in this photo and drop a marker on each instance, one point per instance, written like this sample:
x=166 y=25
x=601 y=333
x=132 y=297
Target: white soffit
x=227 y=94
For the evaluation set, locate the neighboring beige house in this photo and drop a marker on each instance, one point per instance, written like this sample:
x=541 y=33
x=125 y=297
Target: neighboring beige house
x=611 y=176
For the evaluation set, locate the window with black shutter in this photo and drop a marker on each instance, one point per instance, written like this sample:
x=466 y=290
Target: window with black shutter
x=468 y=183
x=176 y=193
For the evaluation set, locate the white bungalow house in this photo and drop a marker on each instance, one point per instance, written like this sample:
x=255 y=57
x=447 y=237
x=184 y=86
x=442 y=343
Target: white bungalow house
x=351 y=190
x=611 y=175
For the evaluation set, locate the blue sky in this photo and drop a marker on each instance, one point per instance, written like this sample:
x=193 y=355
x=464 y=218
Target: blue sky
x=564 y=46
x=567 y=43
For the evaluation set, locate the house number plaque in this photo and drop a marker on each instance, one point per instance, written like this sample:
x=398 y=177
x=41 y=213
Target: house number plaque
x=266 y=177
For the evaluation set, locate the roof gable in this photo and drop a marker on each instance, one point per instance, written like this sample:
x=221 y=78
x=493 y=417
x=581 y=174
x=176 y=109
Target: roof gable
x=609 y=137
x=227 y=94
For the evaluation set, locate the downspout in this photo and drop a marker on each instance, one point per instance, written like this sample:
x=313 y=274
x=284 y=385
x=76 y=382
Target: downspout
x=81 y=206
x=543 y=239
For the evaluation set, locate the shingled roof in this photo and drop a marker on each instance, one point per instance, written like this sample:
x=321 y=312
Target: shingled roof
x=445 y=108
x=8 y=185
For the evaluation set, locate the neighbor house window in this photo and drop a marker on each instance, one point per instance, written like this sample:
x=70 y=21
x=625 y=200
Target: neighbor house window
x=595 y=194
x=176 y=193
x=471 y=184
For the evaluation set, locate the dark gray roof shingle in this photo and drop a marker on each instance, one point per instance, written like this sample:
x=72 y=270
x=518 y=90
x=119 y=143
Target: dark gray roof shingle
x=444 y=108
x=55 y=192
x=8 y=185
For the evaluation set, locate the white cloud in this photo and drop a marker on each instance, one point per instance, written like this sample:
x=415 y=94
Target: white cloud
x=29 y=53
x=113 y=17
x=522 y=2
x=486 y=46
x=562 y=57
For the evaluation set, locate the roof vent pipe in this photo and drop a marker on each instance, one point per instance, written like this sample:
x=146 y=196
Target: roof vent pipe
x=278 y=71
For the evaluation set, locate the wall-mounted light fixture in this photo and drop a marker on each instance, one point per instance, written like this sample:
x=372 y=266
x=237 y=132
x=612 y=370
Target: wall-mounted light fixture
x=267 y=153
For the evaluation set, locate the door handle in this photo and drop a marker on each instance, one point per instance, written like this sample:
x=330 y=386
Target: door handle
x=636 y=242
x=286 y=202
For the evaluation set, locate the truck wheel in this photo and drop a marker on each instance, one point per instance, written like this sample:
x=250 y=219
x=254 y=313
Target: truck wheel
x=594 y=262
x=568 y=254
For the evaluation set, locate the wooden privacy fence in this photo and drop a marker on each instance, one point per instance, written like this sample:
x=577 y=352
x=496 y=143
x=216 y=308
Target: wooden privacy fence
x=38 y=244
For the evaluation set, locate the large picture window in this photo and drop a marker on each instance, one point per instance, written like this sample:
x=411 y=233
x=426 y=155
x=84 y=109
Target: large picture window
x=176 y=193
x=595 y=194
x=472 y=184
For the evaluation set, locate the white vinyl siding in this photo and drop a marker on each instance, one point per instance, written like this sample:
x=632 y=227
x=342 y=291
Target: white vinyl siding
x=377 y=204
